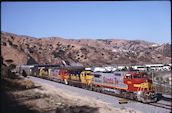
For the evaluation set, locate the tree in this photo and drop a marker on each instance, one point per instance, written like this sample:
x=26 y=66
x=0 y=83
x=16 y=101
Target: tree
x=167 y=80
x=9 y=60
x=131 y=69
x=124 y=69
x=12 y=66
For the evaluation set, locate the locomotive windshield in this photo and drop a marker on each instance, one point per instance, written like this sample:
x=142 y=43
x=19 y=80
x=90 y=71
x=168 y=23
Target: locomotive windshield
x=88 y=73
x=145 y=76
x=136 y=76
x=65 y=72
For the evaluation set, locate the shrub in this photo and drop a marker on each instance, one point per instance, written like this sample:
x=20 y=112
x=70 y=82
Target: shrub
x=10 y=43
x=4 y=43
x=125 y=69
x=12 y=66
x=9 y=61
x=68 y=46
x=58 y=54
x=30 y=51
x=12 y=37
x=15 y=46
x=6 y=72
x=70 y=56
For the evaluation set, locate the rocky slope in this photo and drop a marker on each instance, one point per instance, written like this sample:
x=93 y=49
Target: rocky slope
x=52 y=50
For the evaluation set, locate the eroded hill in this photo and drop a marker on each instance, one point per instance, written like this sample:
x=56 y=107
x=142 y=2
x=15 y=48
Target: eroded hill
x=52 y=50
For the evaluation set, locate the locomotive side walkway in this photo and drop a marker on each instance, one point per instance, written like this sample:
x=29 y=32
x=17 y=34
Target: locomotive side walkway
x=135 y=107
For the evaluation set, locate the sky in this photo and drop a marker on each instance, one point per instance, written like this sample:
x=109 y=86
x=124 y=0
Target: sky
x=129 y=20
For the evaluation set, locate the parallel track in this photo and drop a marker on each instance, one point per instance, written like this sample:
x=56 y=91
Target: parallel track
x=165 y=106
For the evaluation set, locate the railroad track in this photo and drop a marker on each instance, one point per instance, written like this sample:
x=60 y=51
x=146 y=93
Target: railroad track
x=165 y=106
x=160 y=105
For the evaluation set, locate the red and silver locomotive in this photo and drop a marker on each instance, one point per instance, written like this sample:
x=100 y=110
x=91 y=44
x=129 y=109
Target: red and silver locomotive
x=133 y=85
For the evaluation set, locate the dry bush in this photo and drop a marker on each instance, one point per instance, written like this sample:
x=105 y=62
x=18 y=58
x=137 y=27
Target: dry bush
x=19 y=84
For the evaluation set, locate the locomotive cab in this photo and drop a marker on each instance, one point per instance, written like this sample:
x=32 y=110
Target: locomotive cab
x=139 y=83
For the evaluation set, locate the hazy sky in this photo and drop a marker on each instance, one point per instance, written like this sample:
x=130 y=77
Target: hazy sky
x=132 y=20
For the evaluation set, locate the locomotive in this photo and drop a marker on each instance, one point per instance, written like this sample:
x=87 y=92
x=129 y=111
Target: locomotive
x=132 y=85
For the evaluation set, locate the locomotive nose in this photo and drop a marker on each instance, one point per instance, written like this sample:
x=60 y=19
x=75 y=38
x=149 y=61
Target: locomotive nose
x=150 y=85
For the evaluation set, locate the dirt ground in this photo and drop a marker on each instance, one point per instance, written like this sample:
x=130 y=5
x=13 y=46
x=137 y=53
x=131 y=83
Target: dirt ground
x=23 y=95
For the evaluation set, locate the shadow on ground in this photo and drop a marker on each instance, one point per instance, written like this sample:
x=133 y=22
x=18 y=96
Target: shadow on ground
x=161 y=97
x=11 y=104
x=77 y=109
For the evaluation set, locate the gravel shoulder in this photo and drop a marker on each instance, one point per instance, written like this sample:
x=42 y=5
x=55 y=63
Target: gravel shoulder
x=70 y=98
x=111 y=101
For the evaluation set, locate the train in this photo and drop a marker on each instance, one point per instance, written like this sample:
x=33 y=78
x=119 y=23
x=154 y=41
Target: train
x=133 y=85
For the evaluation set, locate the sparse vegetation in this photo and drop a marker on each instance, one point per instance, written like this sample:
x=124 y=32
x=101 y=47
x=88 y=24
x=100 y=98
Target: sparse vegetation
x=68 y=46
x=4 y=43
x=9 y=60
x=15 y=46
x=6 y=71
x=12 y=66
x=70 y=55
x=60 y=53
x=100 y=50
x=12 y=37
x=10 y=43
x=124 y=69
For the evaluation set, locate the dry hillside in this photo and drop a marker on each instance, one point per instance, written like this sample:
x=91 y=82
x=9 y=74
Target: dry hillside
x=19 y=50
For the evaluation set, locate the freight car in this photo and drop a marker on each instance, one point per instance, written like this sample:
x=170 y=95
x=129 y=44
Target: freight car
x=26 y=68
x=35 y=70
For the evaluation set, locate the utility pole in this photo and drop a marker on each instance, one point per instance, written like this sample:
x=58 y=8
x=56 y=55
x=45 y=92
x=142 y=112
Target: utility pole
x=152 y=76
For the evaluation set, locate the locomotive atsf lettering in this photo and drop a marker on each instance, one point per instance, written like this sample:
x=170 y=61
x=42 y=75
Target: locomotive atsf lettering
x=110 y=80
x=116 y=81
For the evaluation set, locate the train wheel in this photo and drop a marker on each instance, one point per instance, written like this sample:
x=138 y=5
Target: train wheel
x=134 y=97
x=131 y=96
x=83 y=86
x=125 y=95
x=102 y=91
x=94 y=88
x=70 y=83
x=87 y=87
x=99 y=90
x=90 y=87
